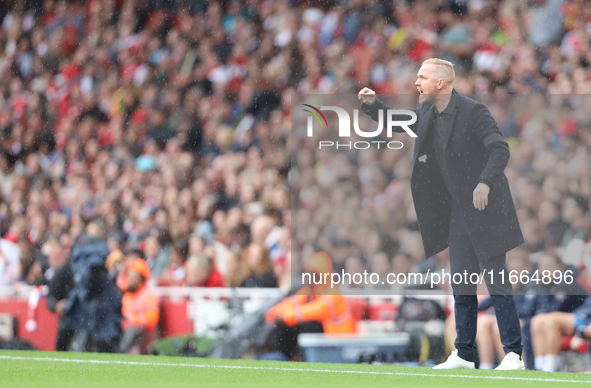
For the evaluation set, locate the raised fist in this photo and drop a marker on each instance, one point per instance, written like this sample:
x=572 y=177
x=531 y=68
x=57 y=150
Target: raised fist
x=367 y=96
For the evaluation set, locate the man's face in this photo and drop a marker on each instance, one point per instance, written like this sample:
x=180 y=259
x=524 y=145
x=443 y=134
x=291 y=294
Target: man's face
x=427 y=83
x=134 y=280
x=55 y=258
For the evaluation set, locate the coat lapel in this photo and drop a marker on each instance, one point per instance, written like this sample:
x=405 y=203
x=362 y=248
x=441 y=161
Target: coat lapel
x=452 y=121
x=422 y=131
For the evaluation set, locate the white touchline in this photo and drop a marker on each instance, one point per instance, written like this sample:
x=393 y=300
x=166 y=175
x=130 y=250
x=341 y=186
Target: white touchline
x=286 y=369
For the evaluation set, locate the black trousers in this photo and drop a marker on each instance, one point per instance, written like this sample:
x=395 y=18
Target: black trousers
x=463 y=258
x=64 y=336
x=284 y=338
x=82 y=343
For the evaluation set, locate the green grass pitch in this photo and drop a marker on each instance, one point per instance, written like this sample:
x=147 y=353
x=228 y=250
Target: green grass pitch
x=63 y=370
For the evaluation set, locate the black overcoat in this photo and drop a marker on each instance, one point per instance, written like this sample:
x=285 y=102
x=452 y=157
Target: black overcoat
x=494 y=230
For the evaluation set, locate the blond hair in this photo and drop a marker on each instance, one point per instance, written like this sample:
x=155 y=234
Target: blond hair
x=447 y=75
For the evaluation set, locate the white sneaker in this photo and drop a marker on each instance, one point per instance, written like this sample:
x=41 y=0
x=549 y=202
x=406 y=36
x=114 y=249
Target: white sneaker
x=512 y=361
x=455 y=362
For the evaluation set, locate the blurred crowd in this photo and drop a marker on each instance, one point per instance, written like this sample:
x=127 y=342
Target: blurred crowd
x=124 y=113
x=168 y=124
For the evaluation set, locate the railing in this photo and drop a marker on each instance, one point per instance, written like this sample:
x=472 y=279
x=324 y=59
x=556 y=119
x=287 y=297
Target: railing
x=186 y=310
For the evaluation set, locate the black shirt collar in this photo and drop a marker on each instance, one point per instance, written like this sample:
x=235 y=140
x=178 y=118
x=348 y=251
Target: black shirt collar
x=449 y=109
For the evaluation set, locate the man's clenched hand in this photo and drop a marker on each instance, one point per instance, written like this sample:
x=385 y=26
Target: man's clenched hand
x=367 y=95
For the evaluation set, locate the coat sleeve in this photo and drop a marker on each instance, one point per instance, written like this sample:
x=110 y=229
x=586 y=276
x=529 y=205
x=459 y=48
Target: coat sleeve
x=59 y=286
x=497 y=149
x=374 y=112
x=51 y=302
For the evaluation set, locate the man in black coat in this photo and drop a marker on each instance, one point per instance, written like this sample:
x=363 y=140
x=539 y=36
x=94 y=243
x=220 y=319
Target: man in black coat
x=462 y=200
x=59 y=288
